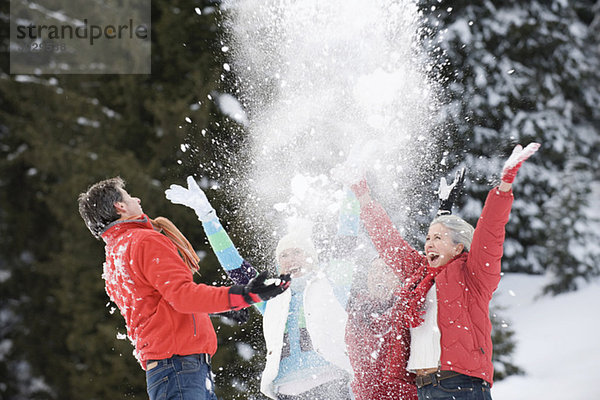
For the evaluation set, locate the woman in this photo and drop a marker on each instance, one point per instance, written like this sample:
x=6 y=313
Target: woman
x=445 y=300
x=378 y=343
x=304 y=331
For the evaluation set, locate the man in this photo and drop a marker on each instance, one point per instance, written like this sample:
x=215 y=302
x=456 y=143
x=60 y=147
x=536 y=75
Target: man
x=148 y=275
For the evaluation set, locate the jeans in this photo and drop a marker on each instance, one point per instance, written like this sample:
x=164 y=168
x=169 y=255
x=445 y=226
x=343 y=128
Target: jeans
x=180 y=378
x=460 y=387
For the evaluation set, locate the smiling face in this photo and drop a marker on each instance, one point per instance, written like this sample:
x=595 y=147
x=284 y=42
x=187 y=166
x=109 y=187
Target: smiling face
x=439 y=246
x=128 y=206
x=294 y=261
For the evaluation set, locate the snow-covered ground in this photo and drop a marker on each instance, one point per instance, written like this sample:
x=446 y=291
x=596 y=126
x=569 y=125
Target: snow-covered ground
x=557 y=340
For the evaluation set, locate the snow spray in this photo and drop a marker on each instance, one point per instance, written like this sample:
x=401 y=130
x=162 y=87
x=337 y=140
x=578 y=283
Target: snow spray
x=322 y=80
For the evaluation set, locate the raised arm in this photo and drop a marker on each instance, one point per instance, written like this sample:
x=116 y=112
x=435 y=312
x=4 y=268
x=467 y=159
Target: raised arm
x=488 y=238
x=237 y=269
x=391 y=246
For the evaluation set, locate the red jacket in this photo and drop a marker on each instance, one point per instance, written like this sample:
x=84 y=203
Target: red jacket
x=464 y=288
x=165 y=311
x=378 y=347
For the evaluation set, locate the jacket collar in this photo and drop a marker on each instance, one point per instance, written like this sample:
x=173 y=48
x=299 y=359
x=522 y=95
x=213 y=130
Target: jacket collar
x=462 y=257
x=121 y=225
x=458 y=259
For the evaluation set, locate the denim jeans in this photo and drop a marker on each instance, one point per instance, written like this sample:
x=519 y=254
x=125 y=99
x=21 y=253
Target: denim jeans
x=180 y=378
x=460 y=387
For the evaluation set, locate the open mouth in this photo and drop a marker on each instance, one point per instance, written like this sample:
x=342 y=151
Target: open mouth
x=294 y=270
x=433 y=257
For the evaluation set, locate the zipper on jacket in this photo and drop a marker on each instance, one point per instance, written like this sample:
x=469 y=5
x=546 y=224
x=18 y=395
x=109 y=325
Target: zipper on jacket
x=194 y=321
x=482 y=352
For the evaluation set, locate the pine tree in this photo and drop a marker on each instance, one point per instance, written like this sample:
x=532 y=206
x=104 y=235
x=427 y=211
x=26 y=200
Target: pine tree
x=513 y=72
x=60 y=134
x=516 y=73
x=504 y=346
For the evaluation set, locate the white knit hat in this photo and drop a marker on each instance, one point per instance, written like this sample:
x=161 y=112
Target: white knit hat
x=298 y=238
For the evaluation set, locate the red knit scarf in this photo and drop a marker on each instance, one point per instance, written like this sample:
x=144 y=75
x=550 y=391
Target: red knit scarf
x=414 y=293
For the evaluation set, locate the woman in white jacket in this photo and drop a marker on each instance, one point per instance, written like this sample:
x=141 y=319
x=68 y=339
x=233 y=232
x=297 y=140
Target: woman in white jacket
x=304 y=330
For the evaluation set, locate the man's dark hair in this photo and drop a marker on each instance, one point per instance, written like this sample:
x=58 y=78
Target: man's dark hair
x=97 y=205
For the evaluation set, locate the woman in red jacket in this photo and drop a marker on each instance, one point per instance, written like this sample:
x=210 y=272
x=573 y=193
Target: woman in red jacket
x=444 y=302
x=377 y=344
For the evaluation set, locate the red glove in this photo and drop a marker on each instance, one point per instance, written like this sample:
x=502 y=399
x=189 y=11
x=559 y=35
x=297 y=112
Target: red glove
x=360 y=188
x=512 y=165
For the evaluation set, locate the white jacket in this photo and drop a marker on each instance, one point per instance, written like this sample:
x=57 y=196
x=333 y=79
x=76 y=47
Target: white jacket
x=325 y=321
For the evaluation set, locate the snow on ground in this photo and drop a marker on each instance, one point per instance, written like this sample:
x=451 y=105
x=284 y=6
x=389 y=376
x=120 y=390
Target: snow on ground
x=557 y=340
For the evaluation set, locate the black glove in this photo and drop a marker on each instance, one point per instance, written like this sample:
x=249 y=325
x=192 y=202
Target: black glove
x=239 y=316
x=242 y=296
x=449 y=193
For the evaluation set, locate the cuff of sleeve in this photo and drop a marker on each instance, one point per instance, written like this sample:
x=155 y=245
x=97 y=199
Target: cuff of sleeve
x=237 y=301
x=207 y=217
x=501 y=193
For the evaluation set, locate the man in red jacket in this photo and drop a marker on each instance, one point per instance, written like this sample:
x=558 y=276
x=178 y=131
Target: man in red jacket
x=446 y=294
x=148 y=275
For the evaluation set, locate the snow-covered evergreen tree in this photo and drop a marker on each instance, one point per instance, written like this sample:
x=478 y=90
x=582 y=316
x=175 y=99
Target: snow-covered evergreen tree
x=517 y=72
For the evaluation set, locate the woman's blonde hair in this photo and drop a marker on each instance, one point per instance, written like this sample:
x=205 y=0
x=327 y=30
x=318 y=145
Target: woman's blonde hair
x=461 y=230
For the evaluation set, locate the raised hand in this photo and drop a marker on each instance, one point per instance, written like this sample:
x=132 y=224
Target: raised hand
x=192 y=197
x=353 y=170
x=449 y=193
x=512 y=165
